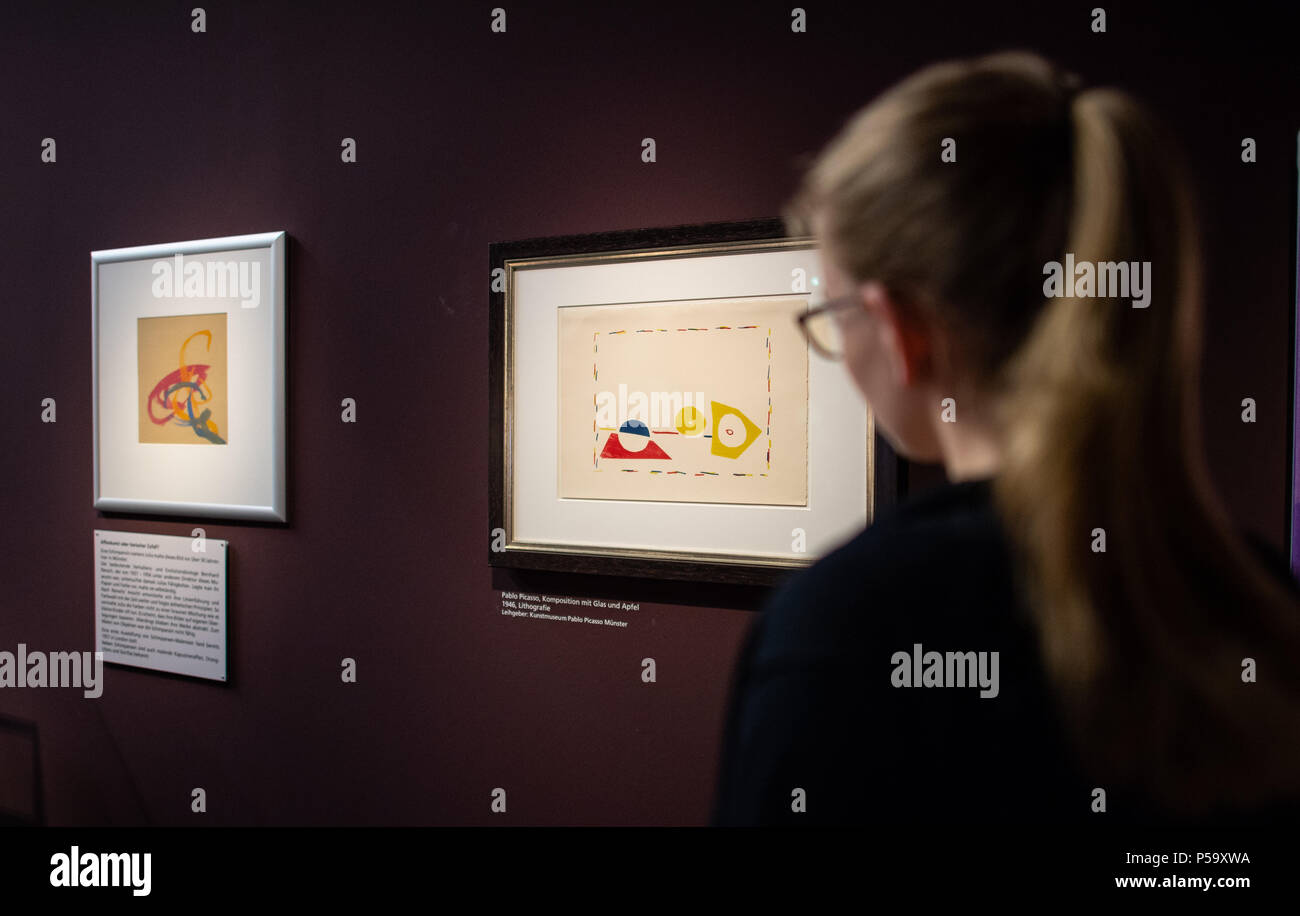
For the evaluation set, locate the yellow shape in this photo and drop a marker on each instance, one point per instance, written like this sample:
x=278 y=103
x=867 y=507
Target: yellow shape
x=689 y=422
x=751 y=431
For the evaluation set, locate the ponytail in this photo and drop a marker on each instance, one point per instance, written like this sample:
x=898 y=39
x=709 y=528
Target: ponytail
x=1152 y=615
x=1175 y=655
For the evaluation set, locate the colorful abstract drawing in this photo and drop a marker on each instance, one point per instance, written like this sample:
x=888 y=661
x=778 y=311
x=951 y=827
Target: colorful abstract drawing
x=185 y=399
x=676 y=401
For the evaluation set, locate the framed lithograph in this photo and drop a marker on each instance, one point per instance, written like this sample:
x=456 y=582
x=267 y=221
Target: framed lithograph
x=656 y=410
x=189 y=359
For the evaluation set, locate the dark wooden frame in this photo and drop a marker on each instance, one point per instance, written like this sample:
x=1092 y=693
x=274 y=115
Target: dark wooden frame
x=885 y=464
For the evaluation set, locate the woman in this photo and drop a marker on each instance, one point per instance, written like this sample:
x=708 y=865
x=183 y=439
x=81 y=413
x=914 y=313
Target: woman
x=1069 y=629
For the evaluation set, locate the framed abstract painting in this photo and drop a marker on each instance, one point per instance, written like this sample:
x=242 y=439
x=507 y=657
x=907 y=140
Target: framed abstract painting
x=656 y=410
x=188 y=350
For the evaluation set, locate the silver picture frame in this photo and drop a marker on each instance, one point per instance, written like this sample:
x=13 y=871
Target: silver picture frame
x=248 y=481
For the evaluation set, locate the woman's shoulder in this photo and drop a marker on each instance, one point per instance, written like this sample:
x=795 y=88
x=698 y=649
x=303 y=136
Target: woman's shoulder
x=939 y=559
x=923 y=598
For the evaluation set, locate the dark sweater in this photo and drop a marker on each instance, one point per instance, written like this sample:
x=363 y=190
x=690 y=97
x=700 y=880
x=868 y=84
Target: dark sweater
x=814 y=706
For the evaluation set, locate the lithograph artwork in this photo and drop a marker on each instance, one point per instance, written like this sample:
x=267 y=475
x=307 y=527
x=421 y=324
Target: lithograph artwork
x=693 y=401
x=182 y=369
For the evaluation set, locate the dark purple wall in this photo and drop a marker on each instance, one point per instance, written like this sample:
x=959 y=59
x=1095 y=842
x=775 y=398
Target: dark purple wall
x=465 y=138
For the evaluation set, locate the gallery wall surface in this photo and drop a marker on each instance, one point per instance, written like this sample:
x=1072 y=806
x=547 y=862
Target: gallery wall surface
x=465 y=137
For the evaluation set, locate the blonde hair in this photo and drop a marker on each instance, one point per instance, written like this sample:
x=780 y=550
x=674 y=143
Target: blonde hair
x=1146 y=642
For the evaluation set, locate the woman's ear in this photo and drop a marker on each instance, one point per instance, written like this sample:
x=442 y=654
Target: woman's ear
x=903 y=335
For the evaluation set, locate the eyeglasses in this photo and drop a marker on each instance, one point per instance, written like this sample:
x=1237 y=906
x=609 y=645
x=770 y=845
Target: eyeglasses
x=822 y=325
